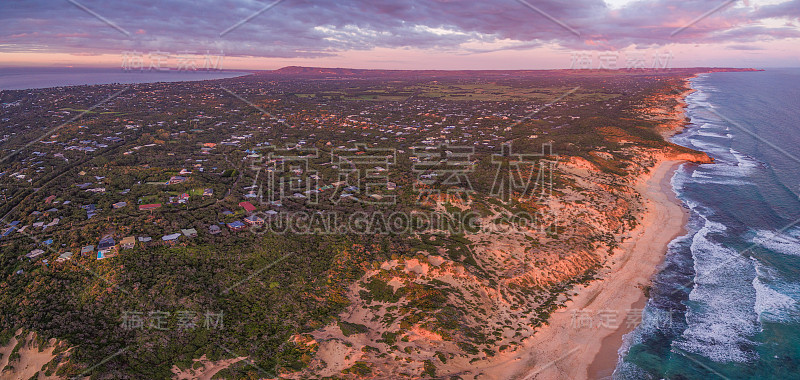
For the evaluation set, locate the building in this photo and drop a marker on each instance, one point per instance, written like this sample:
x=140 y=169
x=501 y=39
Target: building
x=236 y=226
x=8 y=231
x=176 y=179
x=247 y=206
x=50 y=199
x=119 y=205
x=151 y=206
x=144 y=239
x=35 y=253
x=87 y=250
x=127 y=242
x=189 y=232
x=208 y=192
x=64 y=257
x=171 y=238
x=214 y=229
x=107 y=246
x=254 y=220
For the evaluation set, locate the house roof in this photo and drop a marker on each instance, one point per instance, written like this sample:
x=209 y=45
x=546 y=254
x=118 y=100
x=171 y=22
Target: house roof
x=189 y=231
x=34 y=253
x=106 y=243
x=247 y=206
x=128 y=240
x=170 y=237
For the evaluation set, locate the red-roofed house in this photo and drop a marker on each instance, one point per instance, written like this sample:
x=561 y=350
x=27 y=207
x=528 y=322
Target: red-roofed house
x=152 y=206
x=247 y=206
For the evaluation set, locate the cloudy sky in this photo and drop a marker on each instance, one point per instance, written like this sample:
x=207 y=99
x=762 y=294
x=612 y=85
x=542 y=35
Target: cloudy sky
x=402 y=34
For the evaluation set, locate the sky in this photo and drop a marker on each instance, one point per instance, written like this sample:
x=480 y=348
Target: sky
x=400 y=34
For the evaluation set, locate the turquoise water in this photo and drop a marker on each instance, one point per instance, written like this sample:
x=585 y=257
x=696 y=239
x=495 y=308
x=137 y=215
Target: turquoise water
x=726 y=302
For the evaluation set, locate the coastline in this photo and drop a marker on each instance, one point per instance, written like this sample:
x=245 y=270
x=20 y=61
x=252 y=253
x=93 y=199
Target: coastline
x=564 y=350
x=48 y=78
x=666 y=204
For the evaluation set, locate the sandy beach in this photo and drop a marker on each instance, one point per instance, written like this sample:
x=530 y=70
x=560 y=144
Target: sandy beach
x=582 y=339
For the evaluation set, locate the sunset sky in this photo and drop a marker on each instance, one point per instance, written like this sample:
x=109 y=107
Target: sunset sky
x=404 y=34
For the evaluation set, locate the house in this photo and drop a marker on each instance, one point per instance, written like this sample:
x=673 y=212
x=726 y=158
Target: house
x=87 y=250
x=119 y=205
x=35 y=253
x=144 y=239
x=189 y=232
x=176 y=179
x=236 y=226
x=208 y=192
x=64 y=257
x=185 y=171
x=183 y=198
x=151 y=206
x=171 y=238
x=50 y=199
x=214 y=229
x=106 y=246
x=8 y=231
x=210 y=145
x=247 y=206
x=128 y=242
x=254 y=220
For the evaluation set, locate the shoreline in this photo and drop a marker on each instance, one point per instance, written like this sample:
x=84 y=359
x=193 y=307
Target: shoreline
x=12 y=82
x=563 y=349
x=605 y=362
x=569 y=347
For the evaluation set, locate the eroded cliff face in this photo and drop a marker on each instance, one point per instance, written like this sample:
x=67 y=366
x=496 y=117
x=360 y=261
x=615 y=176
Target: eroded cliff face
x=482 y=295
x=694 y=157
x=453 y=312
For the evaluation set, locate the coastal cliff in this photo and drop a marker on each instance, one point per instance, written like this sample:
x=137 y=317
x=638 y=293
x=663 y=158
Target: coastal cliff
x=433 y=315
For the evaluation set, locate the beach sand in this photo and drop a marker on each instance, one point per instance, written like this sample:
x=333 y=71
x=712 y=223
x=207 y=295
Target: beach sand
x=582 y=339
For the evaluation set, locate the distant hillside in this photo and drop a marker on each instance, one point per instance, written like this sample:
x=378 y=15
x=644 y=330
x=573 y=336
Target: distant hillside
x=327 y=72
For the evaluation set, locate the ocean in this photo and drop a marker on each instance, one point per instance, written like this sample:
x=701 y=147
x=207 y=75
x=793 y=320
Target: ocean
x=725 y=303
x=16 y=78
